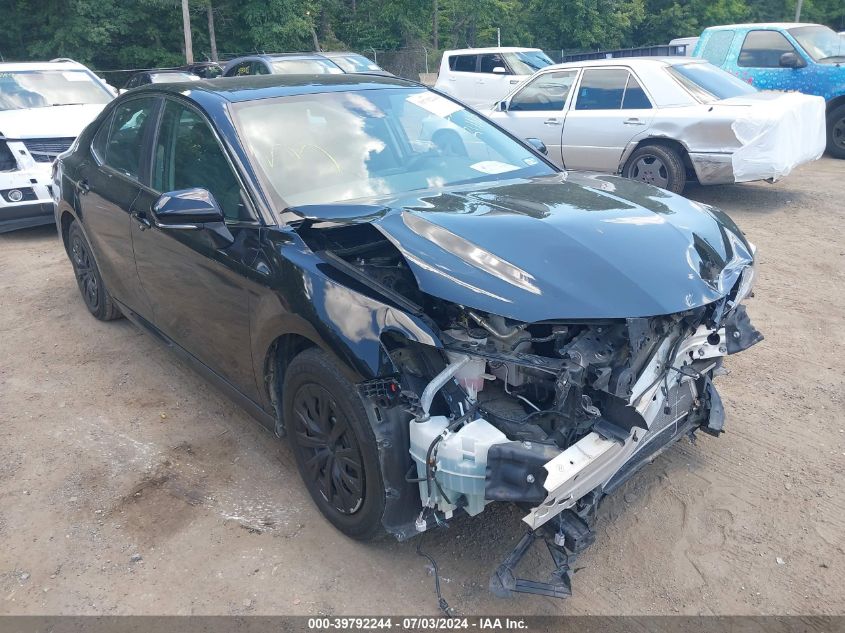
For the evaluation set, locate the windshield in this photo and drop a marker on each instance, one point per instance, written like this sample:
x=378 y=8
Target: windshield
x=305 y=67
x=20 y=89
x=708 y=83
x=161 y=78
x=355 y=63
x=820 y=42
x=527 y=62
x=337 y=146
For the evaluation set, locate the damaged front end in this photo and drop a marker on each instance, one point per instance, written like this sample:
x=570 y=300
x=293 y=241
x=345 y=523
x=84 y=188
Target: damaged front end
x=551 y=414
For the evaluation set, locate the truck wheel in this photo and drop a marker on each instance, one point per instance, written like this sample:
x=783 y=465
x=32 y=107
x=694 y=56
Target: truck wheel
x=836 y=132
x=657 y=165
x=333 y=444
x=91 y=287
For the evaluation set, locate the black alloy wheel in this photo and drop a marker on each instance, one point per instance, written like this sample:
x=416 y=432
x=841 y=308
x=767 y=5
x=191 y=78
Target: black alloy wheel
x=332 y=440
x=332 y=456
x=91 y=286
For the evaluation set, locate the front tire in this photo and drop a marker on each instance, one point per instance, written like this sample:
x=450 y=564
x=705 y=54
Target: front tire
x=94 y=293
x=334 y=447
x=836 y=132
x=658 y=165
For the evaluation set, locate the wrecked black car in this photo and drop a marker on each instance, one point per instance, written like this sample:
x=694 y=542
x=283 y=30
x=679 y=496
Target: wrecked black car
x=434 y=316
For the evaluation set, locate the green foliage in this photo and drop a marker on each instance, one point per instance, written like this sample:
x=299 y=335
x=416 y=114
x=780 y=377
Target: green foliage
x=110 y=34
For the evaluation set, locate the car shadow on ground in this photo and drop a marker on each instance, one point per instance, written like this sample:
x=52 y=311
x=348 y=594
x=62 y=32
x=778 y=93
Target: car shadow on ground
x=760 y=198
x=33 y=234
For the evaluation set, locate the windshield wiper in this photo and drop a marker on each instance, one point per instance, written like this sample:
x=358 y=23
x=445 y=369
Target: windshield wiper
x=832 y=57
x=62 y=104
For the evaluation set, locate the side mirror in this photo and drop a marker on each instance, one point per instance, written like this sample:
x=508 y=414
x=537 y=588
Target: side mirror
x=539 y=145
x=791 y=60
x=500 y=70
x=500 y=106
x=192 y=210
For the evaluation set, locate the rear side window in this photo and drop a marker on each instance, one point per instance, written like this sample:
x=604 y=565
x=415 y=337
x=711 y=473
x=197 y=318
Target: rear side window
x=101 y=140
x=130 y=123
x=635 y=97
x=546 y=92
x=717 y=46
x=602 y=89
x=260 y=68
x=762 y=49
x=462 y=63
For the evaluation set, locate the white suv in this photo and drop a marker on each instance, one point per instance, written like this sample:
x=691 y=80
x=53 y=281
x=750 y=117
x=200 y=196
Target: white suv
x=43 y=108
x=481 y=76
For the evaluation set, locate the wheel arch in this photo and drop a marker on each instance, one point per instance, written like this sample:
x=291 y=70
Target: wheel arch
x=834 y=103
x=665 y=141
x=66 y=219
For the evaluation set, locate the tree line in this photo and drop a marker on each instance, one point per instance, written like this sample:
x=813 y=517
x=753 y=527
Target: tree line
x=113 y=34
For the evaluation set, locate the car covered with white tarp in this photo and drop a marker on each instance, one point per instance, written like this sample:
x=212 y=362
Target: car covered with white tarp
x=664 y=121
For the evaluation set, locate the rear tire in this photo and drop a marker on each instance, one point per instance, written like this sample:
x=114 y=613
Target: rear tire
x=94 y=293
x=334 y=446
x=658 y=165
x=836 y=132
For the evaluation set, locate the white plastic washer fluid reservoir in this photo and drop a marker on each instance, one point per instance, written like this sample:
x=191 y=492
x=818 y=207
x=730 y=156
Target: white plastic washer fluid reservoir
x=471 y=375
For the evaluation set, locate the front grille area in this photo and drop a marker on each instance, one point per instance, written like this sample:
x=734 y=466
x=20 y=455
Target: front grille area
x=45 y=150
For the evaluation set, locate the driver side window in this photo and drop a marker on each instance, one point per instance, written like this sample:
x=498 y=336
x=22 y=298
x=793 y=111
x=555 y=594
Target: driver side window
x=546 y=92
x=187 y=155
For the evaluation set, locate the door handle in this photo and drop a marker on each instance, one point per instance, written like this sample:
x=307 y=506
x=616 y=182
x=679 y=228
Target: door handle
x=551 y=122
x=633 y=121
x=514 y=81
x=141 y=219
x=83 y=186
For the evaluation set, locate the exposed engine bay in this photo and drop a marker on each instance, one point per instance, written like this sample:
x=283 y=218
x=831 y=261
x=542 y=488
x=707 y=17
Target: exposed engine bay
x=550 y=415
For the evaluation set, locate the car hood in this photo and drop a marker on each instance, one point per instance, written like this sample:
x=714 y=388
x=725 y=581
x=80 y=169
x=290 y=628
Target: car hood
x=48 y=122
x=570 y=246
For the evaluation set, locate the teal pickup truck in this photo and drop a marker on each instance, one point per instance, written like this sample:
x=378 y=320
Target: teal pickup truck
x=808 y=58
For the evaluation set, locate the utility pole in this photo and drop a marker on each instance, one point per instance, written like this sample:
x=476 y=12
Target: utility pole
x=798 y=10
x=186 y=25
x=435 y=27
x=211 y=36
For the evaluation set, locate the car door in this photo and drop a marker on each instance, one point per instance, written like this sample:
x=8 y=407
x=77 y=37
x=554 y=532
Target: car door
x=537 y=110
x=610 y=108
x=198 y=291
x=462 y=77
x=758 y=62
x=108 y=185
x=491 y=86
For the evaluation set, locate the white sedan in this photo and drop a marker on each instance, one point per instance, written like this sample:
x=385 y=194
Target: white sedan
x=663 y=121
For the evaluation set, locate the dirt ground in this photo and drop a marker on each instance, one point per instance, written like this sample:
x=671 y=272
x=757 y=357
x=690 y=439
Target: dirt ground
x=128 y=485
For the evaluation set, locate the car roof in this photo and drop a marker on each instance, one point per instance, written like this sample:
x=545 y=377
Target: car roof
x=629 y=61
x=252 y=87
x=490 y=49
x=56 y=65
x=761 y=25
x=269 y=56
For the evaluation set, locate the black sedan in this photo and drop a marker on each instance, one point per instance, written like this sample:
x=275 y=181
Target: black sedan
x=434 y=315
